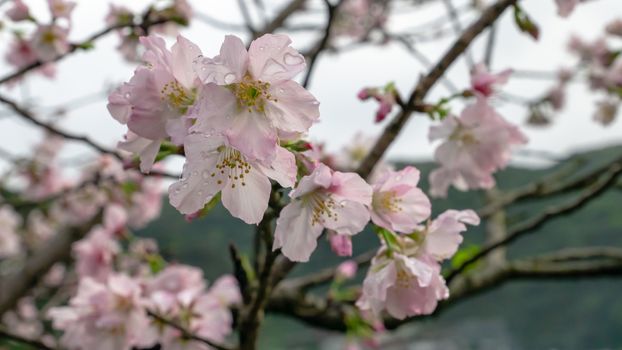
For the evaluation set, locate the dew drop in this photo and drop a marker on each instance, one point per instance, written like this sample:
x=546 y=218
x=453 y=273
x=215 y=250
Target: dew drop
x=262 y=48
x=205 y=174
x=195 y=173
x=229 y=78
x=184 y=186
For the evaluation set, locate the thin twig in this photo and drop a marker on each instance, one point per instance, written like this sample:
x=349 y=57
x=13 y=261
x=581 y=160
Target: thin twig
x=187 y=334
x=323 y=42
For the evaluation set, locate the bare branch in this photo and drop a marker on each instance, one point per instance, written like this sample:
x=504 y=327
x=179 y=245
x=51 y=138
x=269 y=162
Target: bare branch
x=530 y=225
x=322 y=43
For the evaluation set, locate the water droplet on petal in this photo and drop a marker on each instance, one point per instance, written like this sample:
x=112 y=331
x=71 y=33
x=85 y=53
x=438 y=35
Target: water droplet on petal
x=281 y=91
x=195 y=173
x=262 y=48
x=293 y=60
x=205 y=174
x=229 y=78
x=184 y=186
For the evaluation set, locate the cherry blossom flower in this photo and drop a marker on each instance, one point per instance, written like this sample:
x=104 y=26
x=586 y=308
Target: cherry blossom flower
x=9 y=239
x=323 y=199
x=179 y=293
x=115 y=219
x=95 y=254
x=340 y=244
x=49 y=42
x=226 y=290
x=157 y=98
x=350 y=157
x=212 y=165
x=175 y=280
x=19 y=11
x=250 y=97
x=398 y=204
x=484 y=82
x=566 y=7
x=407 y=281
x=21 y=54
x=61 y=8
x=442 y=236
x=476 y=145
x=105 y=316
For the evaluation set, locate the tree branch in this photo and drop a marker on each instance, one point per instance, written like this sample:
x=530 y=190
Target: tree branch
x=489 y=16
x=592 y=192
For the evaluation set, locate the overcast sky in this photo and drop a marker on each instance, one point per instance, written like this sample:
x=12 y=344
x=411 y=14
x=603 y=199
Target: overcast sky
x=338 y=78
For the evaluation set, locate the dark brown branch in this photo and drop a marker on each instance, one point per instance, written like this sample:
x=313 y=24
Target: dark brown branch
x=322 y=43
x=530 y=225
x=280 y=19
x=586 y=263
x=488 y=17
x=551 y=185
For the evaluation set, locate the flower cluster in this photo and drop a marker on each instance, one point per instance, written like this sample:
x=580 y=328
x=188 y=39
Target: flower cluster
x=477 y=143
x=240 y=119
x=173 y=14
x=46 y=41
x=404 y=278
x=114 y=313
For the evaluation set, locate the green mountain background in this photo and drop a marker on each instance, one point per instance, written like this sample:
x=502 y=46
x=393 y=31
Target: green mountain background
x=576 y=314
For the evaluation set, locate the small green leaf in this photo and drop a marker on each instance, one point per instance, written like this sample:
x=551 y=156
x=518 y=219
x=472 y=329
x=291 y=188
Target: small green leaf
x=524 y=23
x=156 y=263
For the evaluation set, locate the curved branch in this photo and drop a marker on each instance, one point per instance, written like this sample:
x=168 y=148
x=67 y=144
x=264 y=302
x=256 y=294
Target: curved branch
x=592 y=192
x=488 y=17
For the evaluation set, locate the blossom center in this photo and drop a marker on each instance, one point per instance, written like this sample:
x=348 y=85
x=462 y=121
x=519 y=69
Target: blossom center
x=403 y=279
x=387 y=202
x=232 y=164
x=464 y=136
x=252 y=94
x=177 y=97
x=48 y=37
x=323 y=207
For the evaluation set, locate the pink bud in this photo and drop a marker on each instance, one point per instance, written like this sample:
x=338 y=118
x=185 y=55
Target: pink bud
x=383 y=111
x=363 y=94
x=190 y=217
x=340 y=244
x=347 y=269
x=19 y=11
